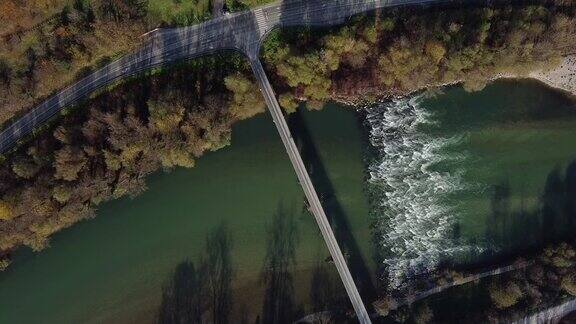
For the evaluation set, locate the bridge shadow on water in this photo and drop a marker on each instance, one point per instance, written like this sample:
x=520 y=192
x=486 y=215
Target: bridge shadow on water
x=334 y=211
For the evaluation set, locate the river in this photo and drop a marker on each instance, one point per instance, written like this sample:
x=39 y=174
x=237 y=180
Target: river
x=112 y=268
x=465 y=177
x=458 y=177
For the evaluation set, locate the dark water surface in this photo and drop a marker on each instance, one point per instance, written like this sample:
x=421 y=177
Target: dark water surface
x=408 y=185
x=112 y=268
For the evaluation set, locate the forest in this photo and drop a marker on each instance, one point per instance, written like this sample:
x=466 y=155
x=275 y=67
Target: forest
x=46 y=44
x=104 y=148
x=402 y=50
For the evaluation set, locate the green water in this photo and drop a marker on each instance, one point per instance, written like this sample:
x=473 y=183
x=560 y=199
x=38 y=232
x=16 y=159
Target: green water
x=112 y=268
x=517 y=143
x=515 y=140
x=338 y=138
x=468 y=178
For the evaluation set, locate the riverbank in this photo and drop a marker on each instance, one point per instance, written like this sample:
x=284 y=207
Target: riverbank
x=561 y=77
x=176 y=213
x=533 y=290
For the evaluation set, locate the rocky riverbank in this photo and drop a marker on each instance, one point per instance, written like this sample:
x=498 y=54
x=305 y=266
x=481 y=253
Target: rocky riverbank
x=562 y=77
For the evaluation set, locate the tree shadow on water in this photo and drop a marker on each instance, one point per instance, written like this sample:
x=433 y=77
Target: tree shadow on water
x=551 y=220
x=183 y=296
x=558 y=205
x=279 y=304
x=203 y=293
x=327 y=295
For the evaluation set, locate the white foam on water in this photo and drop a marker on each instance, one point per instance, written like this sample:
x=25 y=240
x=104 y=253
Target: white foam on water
x=412 y=220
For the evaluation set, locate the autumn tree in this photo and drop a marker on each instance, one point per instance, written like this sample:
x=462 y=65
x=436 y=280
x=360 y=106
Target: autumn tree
x=176 y=156
x=348 y=47
x=247 y=100
x=410 y=69
x=505 y=295
x=288 y=102
x=4 y=263
x=568 y=284
x=435 y=50
x=423 y=314
x=5 y=72
x=68 y=162
x=5 y=211
x=25 y=168
x=166 y=116
x=62 y=193
x=309 y=73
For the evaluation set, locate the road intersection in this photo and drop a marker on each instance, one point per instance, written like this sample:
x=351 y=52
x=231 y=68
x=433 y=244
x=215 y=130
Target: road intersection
x=243 y=32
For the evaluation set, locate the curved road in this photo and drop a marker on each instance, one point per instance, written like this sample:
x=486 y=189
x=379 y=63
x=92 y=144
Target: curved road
x=243 y=32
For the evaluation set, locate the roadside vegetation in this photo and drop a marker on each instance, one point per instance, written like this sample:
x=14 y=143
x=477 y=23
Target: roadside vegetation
x=169 y=119
x=45 y=45
x=403 y=50
x=548 y=280
x=164 y=121
x=239 y=5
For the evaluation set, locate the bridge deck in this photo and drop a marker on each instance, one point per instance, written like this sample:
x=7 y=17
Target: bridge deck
x=243 y=32
x=310 y=192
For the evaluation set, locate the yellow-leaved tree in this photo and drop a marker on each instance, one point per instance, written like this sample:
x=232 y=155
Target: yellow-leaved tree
x=5 y=211
x=247 y=100
x=505 y=296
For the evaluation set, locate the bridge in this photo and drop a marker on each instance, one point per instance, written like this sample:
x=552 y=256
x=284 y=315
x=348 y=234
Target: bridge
x=310 y=192
x=243 y=32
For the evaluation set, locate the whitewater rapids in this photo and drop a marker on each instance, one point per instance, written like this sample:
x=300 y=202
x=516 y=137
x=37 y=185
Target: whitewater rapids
x=412 y=221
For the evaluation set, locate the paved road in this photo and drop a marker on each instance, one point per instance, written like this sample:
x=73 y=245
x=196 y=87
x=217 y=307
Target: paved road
x=310 y=192
x=242 y=32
